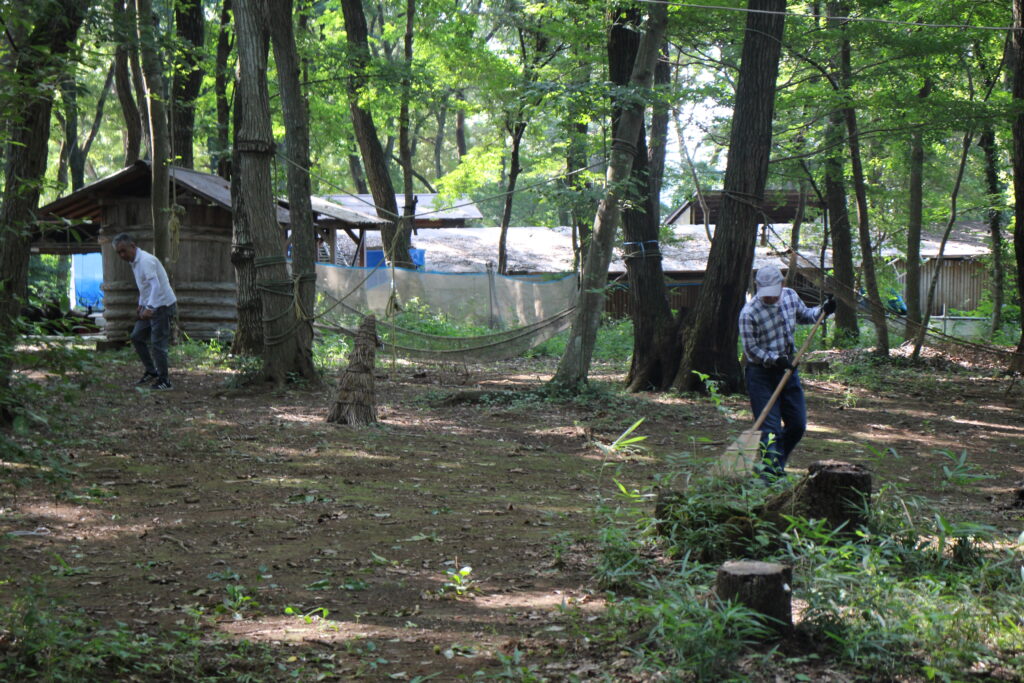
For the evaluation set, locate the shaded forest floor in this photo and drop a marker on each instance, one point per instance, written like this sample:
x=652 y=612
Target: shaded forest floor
x=243 y=511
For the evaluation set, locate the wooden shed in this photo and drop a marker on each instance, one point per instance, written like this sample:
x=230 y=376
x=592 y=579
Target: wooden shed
x=200 y=260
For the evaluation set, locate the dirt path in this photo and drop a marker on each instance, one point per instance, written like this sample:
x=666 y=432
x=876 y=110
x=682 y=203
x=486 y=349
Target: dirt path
x=251 y=510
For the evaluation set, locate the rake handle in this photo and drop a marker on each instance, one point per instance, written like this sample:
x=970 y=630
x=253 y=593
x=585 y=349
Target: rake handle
x=789 y=373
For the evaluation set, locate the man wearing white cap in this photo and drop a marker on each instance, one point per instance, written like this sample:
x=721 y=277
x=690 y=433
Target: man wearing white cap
x=767 y=324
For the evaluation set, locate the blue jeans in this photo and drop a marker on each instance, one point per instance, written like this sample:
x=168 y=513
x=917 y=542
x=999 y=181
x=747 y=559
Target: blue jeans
x=786 y=421
x=151 y=339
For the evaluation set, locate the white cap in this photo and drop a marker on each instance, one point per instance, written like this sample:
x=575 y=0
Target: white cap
x=769 y=281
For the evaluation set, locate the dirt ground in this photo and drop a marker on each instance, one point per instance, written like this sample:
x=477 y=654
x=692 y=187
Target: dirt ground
x=181 y=496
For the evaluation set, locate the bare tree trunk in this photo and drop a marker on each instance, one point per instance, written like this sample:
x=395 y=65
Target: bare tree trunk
x=713 y=327
x=255 y=146
x=915 y=222
x=405 y=141
x=847 y=330
x=441 y=118
x=987 y=142
x=158 y=126
x=574 y=366
x=516 y=132
x=188 y=78
x=655 y=339
x=876 y=310
x=355 y=169
x=460 y=129
x=27 y=134
x=222 y=155
x=1017 y=76
x=396 y=241
x=303 y=237
x=123 y=29
x=923 y=327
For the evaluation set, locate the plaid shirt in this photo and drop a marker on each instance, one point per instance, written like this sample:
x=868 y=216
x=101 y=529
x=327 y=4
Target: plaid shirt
x=767 y=331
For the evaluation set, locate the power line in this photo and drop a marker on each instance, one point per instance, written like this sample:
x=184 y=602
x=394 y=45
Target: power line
x=848 y=19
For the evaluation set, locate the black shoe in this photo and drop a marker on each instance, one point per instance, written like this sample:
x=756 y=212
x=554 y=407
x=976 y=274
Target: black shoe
x=147 y=378
x=161 y=384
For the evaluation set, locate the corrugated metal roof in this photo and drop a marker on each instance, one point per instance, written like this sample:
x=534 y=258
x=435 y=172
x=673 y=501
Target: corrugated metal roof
x=329 y=210
x=428 y=207
x=549 y=250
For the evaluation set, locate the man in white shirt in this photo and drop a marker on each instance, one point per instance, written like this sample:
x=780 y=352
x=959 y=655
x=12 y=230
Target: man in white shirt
x=151 y=335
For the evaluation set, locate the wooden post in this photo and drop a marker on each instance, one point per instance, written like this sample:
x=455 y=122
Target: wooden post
x=762 y=586
x=356 y=403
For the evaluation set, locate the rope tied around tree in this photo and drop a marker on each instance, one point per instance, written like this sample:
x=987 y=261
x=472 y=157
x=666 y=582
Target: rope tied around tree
x=641 y=250
x=289 y=288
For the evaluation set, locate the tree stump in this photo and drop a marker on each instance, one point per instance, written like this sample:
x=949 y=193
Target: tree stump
x=839 y=492
x=356 y=402
x=762 y=586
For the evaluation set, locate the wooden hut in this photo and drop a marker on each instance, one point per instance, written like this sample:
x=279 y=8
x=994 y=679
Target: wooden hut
x=200 y=260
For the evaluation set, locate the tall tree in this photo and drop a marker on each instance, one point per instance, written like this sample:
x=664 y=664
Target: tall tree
x=124 y=35
x=187 y=79
x=574 y=366
x=37 y=62
x=303 y=237
x=254 y=143
x=221 y=153
x=1017 y=127
x=159 y=128
x=713 y=327
x=396 y=240
x=655 y=338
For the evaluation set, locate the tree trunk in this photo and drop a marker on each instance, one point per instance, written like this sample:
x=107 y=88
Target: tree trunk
x=516 y=132
x=441 y=119
x=876 y=310
x=222 y=155
x=932 y=286
x=303 y=235
x=406 y=148
x=27 y=134
x=655 y=338
x=153 y=79
x=255 y=145
x=915 y=223
x=188 y=78
x=994 y=188
x=574 y=366
x=460 y=129
x=710 y=337
x=847 y=330
x=123 y=29
x=355 y=169
x=396 y=241
x=1017 y=127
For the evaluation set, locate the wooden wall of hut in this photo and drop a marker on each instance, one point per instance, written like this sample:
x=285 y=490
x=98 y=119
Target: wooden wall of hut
x=200 y=269
x=681 y=294
x=962 y=283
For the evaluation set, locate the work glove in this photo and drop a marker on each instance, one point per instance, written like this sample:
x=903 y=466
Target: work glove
x=829 y=307
x=782 y=363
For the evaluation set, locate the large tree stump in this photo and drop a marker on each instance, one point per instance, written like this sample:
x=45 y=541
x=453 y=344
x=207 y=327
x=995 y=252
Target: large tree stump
x=764 y=587
x=356 y=402
x=839 y=492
